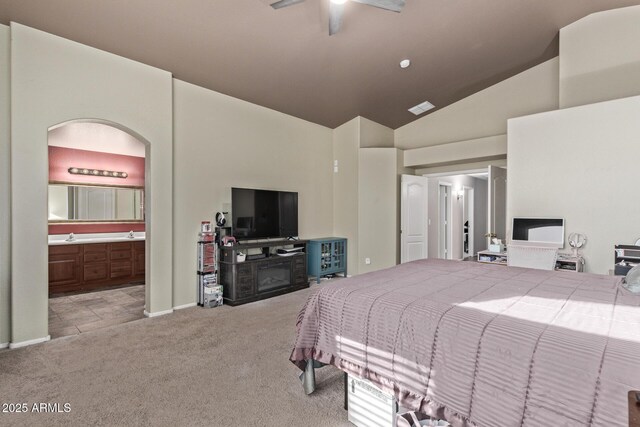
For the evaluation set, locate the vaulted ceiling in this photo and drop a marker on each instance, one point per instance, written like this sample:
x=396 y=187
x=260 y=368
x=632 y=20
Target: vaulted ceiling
x=284 y=59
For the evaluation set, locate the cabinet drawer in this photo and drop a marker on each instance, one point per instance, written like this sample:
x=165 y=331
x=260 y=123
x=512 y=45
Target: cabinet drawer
x=116 y=255
x=120 y=269
x=97 y=271
x=120 y=246
x=65 y=249
x=95 y=247
x=95 y=256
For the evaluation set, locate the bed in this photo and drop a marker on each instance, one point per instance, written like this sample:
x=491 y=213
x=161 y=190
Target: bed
x=482 y=345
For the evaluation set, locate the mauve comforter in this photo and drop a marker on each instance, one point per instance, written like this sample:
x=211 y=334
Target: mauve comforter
x=483 y=345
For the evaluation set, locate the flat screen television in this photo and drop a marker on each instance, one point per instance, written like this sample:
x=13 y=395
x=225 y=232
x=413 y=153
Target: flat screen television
x=258 y=214
x=547 y=232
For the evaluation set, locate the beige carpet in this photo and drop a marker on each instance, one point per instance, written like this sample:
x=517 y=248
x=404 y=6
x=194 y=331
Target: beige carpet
x=226 y=366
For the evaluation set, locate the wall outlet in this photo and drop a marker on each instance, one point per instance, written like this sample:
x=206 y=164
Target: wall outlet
x=367 y=261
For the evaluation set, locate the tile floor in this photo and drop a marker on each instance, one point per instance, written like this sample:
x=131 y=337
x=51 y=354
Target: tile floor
x=71 y=315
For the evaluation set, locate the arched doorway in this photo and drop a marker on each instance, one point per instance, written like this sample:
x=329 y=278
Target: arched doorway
x=97 y=226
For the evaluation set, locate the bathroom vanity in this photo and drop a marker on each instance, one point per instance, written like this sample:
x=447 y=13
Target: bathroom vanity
x=95 y=263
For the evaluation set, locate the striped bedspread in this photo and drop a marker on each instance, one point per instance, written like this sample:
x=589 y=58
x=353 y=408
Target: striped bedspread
x=483 y=345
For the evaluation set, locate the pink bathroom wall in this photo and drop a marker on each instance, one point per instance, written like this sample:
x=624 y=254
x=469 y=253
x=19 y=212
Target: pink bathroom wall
x=104 y=227
x=61 y=159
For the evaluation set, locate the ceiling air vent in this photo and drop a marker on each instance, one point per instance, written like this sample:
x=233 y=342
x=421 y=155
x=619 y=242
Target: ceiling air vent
x=421 y=108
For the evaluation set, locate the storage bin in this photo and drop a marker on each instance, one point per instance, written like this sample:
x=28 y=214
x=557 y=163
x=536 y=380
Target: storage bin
x=496 y=248
x=368 y=406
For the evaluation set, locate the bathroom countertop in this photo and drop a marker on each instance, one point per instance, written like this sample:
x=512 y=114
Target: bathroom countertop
x=80 y=239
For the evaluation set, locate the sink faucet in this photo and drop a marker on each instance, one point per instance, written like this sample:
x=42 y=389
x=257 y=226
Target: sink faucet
x=71 y=237
x=130 y=235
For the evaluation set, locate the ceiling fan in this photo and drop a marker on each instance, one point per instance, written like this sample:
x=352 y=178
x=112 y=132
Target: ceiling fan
x=336 y=8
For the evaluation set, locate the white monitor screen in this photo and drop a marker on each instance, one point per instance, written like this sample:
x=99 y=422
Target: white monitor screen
x=544 y=231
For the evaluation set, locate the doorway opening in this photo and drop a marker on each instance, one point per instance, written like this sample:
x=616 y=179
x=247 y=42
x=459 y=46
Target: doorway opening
x=444 y=221
x=461 y=204
x=97 y=232
x=468 y=222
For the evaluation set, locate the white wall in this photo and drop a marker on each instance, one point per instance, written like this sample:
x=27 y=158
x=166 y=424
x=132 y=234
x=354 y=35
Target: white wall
x=491 y=147
x=374 y=134
x=485 y=113
x=580 y=164
x=456 y=168
x=222 y=142
x=5 y=189
x=600 y=58
x=346 y=142
x=54 y=80
x=377 y=208
x=96 y=137
x=366 y=191
x=378 y=197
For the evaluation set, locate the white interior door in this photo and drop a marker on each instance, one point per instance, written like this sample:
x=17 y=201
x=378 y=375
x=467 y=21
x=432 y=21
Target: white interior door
x=413 y=218
x=497 y=203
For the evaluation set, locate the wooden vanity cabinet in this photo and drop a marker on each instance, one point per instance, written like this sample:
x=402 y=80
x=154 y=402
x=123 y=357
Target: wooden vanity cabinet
x=138 y=259
x=96 y=262
x=93 y=266
x=65 y=266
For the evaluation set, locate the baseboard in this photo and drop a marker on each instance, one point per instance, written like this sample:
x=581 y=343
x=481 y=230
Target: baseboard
x=4 y=345
x=29 y=342
x=158 y=313
x=180 y=307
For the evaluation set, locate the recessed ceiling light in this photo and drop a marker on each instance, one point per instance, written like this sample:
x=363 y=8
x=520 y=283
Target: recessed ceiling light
x=421 y=108
x=405 y=63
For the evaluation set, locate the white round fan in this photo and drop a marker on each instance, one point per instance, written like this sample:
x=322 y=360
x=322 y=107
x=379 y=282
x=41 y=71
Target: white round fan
x=336 y=9
x=577 y=241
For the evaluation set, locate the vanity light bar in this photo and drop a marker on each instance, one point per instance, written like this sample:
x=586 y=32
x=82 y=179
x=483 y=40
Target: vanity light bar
x=98 y=172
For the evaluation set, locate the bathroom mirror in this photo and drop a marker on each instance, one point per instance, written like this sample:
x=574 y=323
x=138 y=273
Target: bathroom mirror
x=77 y=203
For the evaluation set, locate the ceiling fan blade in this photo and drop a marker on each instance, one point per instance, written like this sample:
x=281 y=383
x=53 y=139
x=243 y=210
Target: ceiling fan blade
x=392 y=5
x=285 y=3
x=335 y=17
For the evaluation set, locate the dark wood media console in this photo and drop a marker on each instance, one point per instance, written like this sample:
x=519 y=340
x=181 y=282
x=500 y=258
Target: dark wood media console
x=265 y=277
